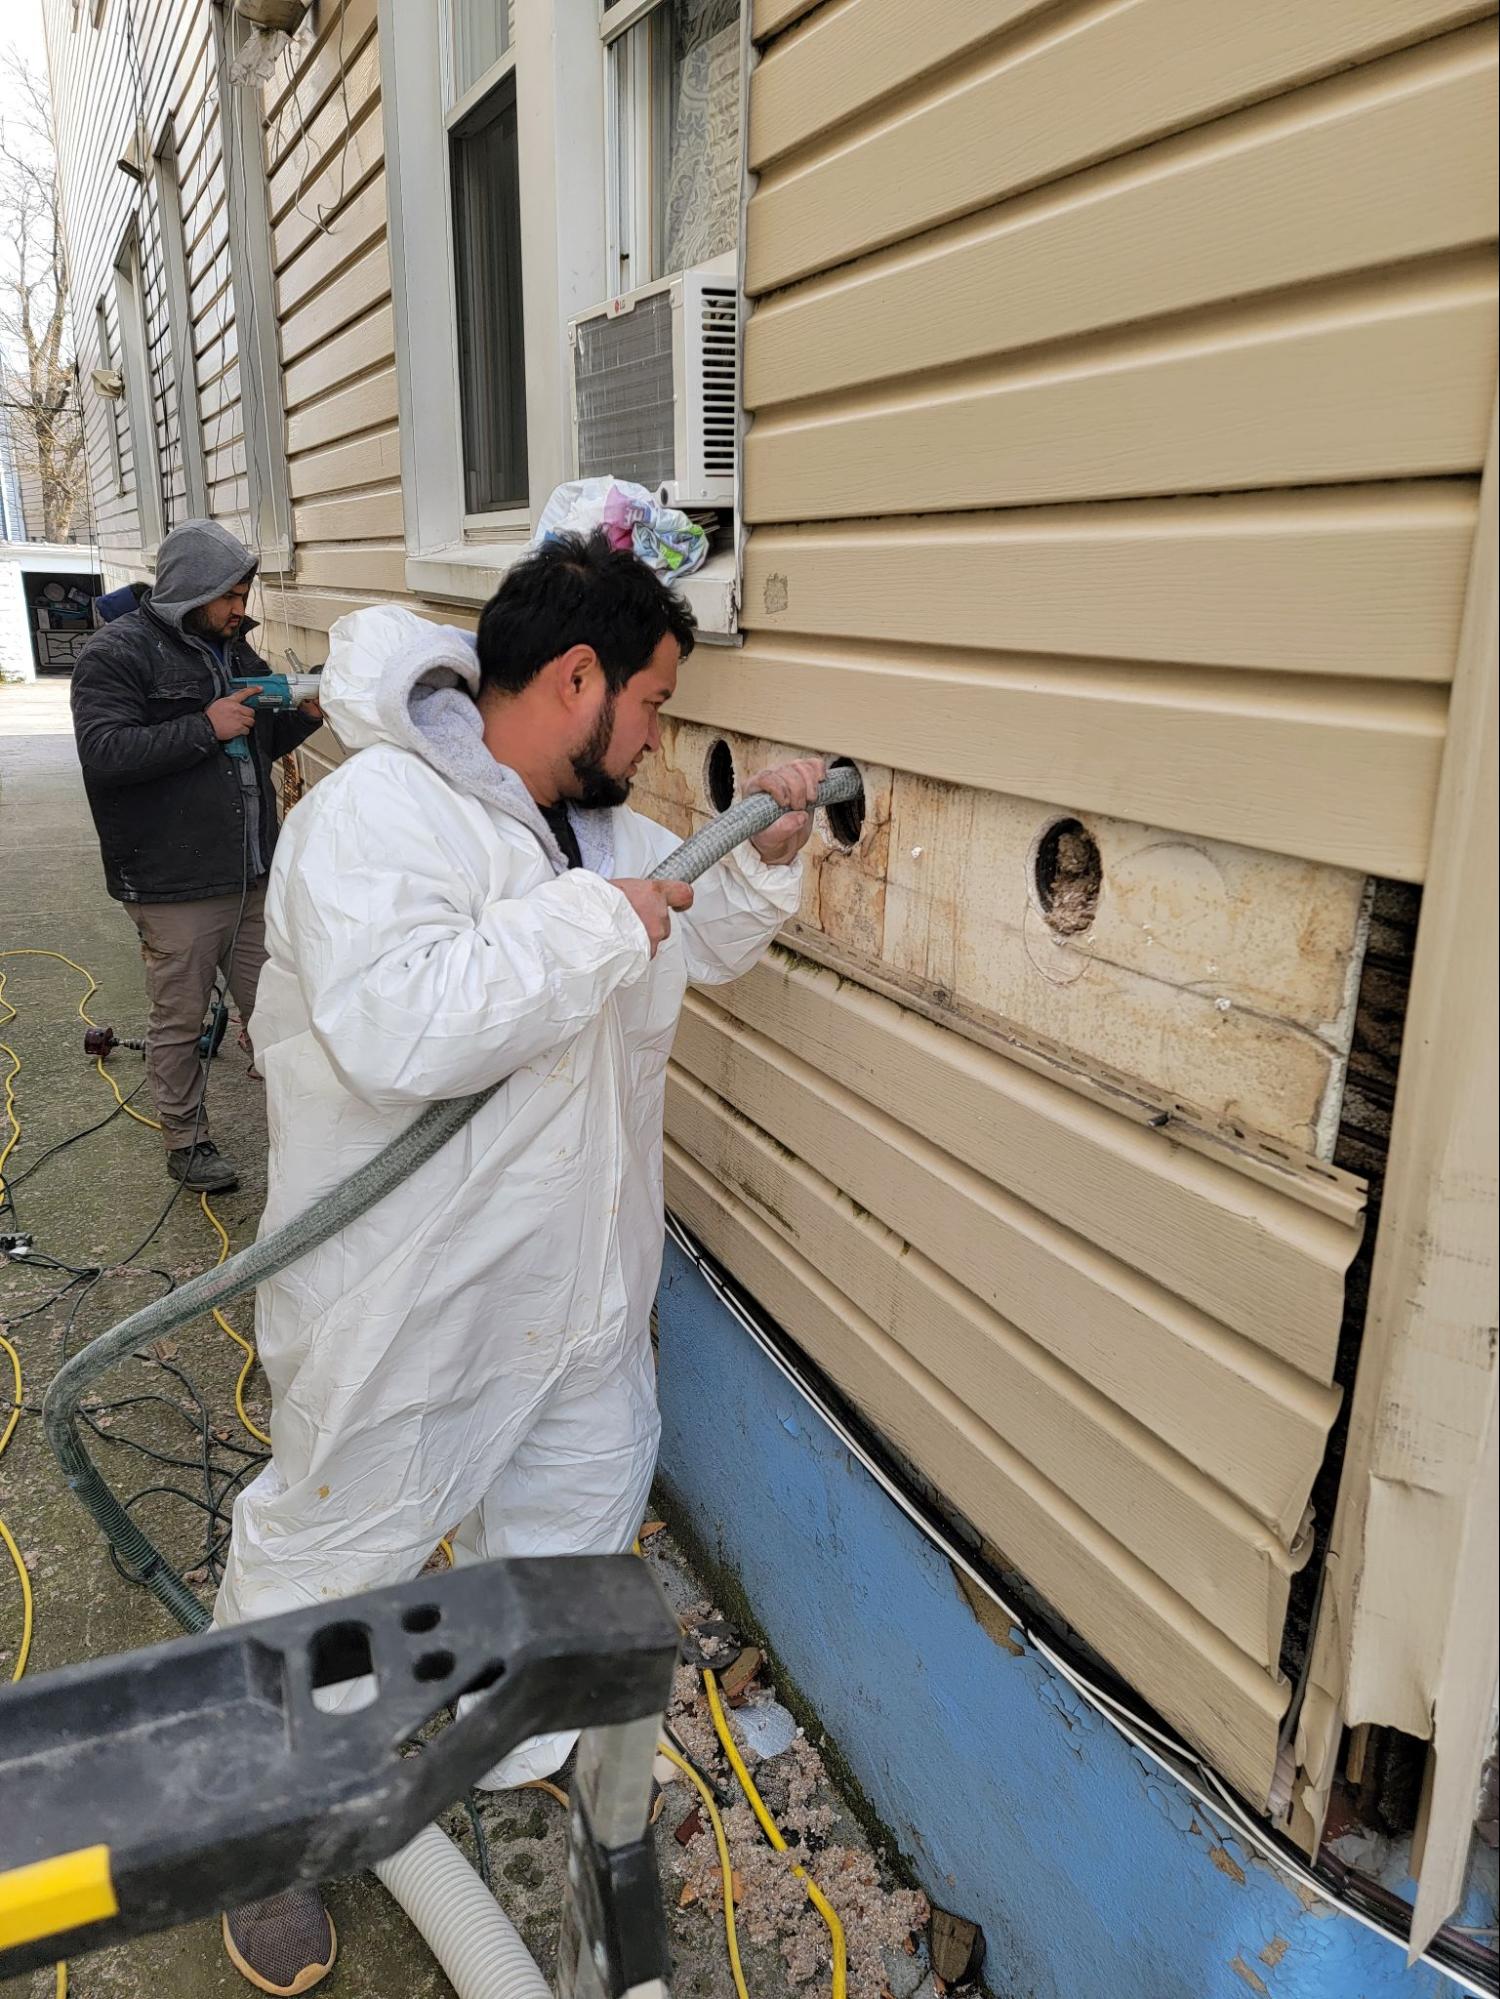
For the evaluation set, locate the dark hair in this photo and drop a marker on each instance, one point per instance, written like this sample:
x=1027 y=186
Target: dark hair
x=577 y=590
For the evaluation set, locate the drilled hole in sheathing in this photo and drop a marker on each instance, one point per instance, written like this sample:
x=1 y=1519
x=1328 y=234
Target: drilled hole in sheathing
x=846 y=822
x=421 y=1617
x=718 y=775
x=434 y=1666
x=1067 y=874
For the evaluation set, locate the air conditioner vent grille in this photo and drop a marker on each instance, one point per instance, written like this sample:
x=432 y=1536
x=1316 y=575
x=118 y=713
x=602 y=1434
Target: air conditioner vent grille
x=623 y=384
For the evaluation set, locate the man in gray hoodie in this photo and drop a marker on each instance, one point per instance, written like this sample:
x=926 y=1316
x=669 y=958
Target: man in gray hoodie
x=186 y=829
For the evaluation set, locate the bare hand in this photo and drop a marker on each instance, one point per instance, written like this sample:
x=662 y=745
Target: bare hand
x=653 y=903
x=311 y=709
x=794 y=786
x=231 y=714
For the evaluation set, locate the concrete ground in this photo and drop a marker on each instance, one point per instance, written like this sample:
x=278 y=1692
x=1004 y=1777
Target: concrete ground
x=91 y=1205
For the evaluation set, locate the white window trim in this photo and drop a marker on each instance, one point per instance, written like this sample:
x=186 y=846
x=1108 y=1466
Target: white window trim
x=252 y=280
x=140 y=401
x=560 y=114
x=111 y=407
x=179 y=321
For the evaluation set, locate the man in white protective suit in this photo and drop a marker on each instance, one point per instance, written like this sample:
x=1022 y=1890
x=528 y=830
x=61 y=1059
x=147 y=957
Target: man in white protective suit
x=464 y=903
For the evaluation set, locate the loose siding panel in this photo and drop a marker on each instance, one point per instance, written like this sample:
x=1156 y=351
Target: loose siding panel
x=1118 y=397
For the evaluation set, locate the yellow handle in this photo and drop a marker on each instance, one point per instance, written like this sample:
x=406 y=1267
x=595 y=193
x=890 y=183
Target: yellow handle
x=50 y=1896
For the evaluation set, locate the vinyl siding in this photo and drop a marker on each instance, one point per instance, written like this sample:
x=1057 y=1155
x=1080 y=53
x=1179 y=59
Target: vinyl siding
x=1119 y=395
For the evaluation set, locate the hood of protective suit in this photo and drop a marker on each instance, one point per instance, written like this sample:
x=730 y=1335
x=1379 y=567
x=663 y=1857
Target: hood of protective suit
x=394 y=678
x=196 y=563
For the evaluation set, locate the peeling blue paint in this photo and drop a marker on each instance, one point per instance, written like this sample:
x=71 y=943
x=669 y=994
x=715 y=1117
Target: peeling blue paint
x=1093 y=1874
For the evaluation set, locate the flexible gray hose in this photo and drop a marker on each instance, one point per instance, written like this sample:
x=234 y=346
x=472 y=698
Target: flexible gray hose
x=345 y=1203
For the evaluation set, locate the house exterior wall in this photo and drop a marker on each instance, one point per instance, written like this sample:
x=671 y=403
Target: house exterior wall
x=1118 y=388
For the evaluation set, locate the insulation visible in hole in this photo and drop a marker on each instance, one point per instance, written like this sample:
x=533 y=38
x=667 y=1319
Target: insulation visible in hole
x=1067 y=875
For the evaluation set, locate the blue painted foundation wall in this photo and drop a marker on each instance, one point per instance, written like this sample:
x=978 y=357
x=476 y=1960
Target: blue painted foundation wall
x=1093 y=1874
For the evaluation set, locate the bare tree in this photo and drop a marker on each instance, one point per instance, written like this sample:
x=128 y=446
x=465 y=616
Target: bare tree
x=38 y=384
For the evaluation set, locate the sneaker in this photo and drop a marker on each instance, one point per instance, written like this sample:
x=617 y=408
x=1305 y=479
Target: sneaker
x=283 y=1945
x=202 y=1168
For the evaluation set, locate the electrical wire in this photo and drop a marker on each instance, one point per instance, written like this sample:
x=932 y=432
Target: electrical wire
x=1168 y=1752
x=773 y=1833
x=726 y=1869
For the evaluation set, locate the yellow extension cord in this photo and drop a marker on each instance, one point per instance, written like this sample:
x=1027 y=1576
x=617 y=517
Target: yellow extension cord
x=772 y=1832
x=60 y=1988
x=721 y=1840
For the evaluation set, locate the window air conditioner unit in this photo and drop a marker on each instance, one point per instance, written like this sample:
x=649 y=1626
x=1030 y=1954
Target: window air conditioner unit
x=656 y=387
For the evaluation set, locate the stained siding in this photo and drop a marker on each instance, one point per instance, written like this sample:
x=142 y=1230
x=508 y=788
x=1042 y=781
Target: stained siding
x=1118 y=400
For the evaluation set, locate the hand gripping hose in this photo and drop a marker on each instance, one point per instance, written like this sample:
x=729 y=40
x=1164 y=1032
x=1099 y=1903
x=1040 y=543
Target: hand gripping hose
x=331 y=1212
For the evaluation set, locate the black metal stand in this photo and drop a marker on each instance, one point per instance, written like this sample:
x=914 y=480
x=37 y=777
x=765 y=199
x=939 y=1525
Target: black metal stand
x=160 y=1786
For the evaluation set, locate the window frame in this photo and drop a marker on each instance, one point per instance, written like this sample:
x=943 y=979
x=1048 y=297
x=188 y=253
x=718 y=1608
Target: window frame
x=168 y=192
x=560 y=66
x=252 y=279
x=128 y=278
x=500 y=523
x=111 y=405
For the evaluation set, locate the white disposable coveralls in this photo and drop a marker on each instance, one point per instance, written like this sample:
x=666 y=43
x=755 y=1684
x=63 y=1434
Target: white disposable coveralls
x=473 y=1353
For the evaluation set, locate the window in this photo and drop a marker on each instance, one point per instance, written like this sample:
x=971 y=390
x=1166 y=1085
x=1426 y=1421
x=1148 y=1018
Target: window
x=515 y=136
x=111 y=406
x=673 y=109
x=140 y=406
x=485 y=196
x=252 y=281
x=180 y=325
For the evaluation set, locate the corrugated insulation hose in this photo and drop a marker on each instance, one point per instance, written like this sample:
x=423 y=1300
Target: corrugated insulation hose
x=424 y=1880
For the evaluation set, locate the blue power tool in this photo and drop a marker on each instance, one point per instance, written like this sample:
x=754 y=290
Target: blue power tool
x=275 y=690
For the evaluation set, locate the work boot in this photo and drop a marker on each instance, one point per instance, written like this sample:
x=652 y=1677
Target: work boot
x=283 y=1945
x=202 y=1168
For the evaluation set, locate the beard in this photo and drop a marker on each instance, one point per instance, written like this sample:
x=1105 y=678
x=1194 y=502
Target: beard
x=597 y=789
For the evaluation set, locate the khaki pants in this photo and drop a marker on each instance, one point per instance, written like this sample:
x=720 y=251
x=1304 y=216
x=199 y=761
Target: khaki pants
x=183 y=944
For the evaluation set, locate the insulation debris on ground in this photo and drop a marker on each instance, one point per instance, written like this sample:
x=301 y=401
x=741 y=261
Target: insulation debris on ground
x=883 y=1920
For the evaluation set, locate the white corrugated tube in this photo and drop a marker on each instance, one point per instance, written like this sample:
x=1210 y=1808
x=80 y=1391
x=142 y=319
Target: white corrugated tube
x=461 y=1923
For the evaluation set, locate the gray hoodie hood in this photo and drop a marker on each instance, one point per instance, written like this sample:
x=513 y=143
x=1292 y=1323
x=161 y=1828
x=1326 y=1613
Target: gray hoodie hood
x=395 y=678
x=196 y=563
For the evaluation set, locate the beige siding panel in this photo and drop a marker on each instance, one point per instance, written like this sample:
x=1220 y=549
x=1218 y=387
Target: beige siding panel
x=1391 y=384
x=1210 y=1396
x=315 y=611
x=367 y=345
x=351 y=294
x=367 y=461
x=1070 y=92
x=365 y=405
x=373 y=516
x=1291 y=768
x=358 y=226
x=769 y=17
x=1259 y=1260
x=1211 y=1552
x=1205 y=1685
x=1361 y=171
x=362 y=565
x=291 y=103
x=855 y=52
x=340 y=149
x=1359 y=582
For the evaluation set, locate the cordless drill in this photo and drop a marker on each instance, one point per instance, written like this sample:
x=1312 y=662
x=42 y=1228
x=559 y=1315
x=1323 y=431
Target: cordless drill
x=276 y=690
